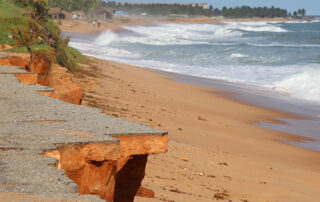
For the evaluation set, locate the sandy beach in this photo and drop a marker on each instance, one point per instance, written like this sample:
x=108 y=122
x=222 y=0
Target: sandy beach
x=104 y=101
x=215 y=151
x=86 y=27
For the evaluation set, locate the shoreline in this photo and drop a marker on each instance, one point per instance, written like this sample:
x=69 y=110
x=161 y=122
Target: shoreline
x=86 y=27
x=214 y=133
x=216 y=147
x=301 y=110
x=304 y=114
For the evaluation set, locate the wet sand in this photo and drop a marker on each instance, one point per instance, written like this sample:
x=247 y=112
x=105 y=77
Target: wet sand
x=306 y=113
x=216 y=149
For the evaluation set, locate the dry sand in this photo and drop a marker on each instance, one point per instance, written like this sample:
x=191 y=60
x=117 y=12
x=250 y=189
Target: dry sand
x=86 y=27
x=215 y=151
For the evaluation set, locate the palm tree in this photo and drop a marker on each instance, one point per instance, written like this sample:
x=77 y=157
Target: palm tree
x=295 y=14
x=303 y=12
x=299 y=12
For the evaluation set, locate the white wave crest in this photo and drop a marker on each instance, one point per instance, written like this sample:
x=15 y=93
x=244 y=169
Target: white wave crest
x=284 y=45
x=301 y=21
x=185 y=34
x=106 y=38
x=256 y=26
x=169 y=34
x=238 y=55
x=93 y=50
x=304 y=85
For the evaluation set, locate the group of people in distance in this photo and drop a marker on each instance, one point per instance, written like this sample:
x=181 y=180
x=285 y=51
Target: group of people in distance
x=95 y=22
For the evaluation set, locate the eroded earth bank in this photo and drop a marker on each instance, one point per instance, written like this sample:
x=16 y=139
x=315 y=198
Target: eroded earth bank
x=53 y=150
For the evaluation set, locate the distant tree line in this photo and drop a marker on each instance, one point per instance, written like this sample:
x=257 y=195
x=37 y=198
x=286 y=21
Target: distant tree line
x=248 y=12
x=72 y=5
x=157 y=9
x=298 y=13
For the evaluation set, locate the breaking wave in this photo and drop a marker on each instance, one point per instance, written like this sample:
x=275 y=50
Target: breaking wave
x=256 y=53
x=176 y=34
x=304 y=85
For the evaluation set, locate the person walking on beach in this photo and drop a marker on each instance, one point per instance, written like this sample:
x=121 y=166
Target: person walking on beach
x=94 y=23
x=98 y=24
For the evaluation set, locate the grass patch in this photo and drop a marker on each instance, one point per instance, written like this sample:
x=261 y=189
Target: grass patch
x=10 y=19
x=23 y=49
x=9 y=10
x=42 y=35
x=69 y=57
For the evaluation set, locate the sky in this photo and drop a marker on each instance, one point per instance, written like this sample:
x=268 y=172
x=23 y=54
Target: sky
x=312 y=6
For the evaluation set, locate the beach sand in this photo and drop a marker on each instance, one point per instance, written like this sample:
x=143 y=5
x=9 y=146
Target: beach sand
x=86 y=27
x=215 y=151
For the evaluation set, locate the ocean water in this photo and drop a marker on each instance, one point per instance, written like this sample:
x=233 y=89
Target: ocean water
x=279 y=56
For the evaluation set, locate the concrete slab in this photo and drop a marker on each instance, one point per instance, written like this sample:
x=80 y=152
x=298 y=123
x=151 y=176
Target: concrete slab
x=31 y=123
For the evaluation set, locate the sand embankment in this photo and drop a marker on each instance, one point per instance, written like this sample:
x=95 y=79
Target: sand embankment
x=215 y=151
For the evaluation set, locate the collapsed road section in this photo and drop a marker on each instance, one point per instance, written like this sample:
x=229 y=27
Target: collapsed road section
x=58 y=150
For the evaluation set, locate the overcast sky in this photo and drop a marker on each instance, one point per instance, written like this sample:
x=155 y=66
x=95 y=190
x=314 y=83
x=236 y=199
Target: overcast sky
x=312 y=6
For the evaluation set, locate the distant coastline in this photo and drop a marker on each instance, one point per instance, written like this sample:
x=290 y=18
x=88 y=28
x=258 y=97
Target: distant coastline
x=85 y=26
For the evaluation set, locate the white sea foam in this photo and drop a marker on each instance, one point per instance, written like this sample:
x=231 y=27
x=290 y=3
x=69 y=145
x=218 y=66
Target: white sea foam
x=284 y=45
x=94 y=50
x=304 y=85
x=194 y=49
x=238 y=55
x=106 y=38
x=256 y=26
x=300 y=21
x=184 y=34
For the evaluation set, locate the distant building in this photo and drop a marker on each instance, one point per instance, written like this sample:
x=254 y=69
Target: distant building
x=78 y=15
x=178 y=15
x=103 y=13
x=121 y=13
x=202 y=5
x=56 y=13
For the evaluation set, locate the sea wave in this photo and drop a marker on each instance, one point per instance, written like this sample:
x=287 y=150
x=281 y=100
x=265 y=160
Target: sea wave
x=182 y=34
x=304 y=85
x=301 y=21
x=284 y=45
x=94 y=50
x=238 y=55
x=232 y=51
x=256 y=26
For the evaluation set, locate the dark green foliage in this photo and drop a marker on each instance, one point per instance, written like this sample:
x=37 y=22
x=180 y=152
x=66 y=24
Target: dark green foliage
x=23 y=49
x=248 y=12
x=38 y=35
x=40 y=9
x=72 y=5
x=157 y=9
x=64 y=55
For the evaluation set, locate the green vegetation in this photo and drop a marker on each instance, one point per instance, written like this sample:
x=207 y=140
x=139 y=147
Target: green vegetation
x=35 y=33
x=248 y=12
x=157 y=9
x=8 y=9
x=72 y=5
x=10 y=18
x=24 y=49
x=299 y=13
